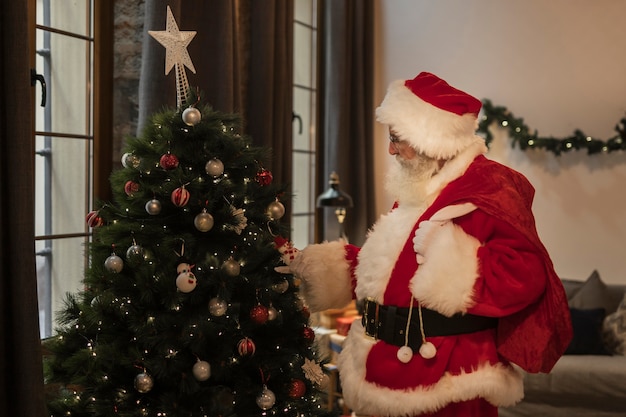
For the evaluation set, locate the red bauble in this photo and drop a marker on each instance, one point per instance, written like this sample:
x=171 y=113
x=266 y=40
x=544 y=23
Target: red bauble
x=246 y=347
x=309 y=334
x=297 y=388
x=259 y=314
x=168 y=161
x=264 y=177
x=131 y=187
x=93 y=219
x=180 y=196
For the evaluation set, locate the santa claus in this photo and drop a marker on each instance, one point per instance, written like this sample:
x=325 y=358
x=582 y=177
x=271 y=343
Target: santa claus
x=455 y=281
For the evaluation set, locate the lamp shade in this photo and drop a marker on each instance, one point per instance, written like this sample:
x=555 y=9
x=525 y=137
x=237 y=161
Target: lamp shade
x=333 y=196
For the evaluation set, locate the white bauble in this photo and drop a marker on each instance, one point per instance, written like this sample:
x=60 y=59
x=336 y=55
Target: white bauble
x=217 y=307
x=191 y=116
x=114 y=264
x=266 y=399
x=203 y=221
x=201 y=370
x=214 y=167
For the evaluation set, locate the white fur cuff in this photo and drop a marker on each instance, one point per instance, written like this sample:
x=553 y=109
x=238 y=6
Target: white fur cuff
x=326 y=279
x=445 y=280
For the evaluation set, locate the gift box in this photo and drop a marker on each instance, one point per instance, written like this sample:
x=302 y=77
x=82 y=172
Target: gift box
x=343 y=324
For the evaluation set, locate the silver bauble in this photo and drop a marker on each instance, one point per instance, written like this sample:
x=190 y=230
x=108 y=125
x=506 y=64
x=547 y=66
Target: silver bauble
x=217 y=307
x=231 y=267
x=114 y=263
x=266 y=399
x=275 y=210
x=191 y=116
x=143 y=382
x=201 y=370
x=214 y=167
x=153 y=207
x=281 y=287
x=130 y=161
x=272 y=313
x=134 y=253
x=203 y=221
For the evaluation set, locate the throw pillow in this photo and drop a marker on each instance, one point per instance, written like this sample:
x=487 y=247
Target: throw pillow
x=571 y=286
x=614 y=330
x=587 y=326
x=594 y=294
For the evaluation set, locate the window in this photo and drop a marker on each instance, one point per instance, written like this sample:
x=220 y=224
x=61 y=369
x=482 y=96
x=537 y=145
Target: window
x=64 y=146
x=304 y=132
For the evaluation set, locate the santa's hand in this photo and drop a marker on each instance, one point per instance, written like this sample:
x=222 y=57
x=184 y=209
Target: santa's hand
x=286 y=269
x=423 y=235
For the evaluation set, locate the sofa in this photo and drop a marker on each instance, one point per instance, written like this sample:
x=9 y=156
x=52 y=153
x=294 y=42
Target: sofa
x=590 y=378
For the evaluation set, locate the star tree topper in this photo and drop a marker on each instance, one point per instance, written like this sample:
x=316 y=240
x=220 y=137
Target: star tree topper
x=176 y=54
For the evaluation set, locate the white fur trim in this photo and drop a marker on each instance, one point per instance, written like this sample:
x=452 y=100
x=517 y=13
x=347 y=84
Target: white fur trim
x=380 y=252
x=325 y=274
x=433 y=131
x=454 y=211
x=456 y=166
x=499 y=384
x=387 y=237
x=445 y=281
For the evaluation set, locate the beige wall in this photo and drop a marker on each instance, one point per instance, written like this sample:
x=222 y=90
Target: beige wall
x=559 y=64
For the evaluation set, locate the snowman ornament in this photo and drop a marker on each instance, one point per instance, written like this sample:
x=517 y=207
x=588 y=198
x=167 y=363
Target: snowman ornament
x=186 y=280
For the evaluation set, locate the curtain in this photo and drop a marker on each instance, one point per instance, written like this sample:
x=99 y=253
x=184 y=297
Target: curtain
x=242 y=53
x=21 y=374
x=346 y=110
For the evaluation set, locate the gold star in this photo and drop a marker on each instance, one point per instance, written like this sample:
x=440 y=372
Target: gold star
x=175 y=43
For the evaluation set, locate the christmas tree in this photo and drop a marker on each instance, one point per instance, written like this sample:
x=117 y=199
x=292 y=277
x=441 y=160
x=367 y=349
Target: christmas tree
x=182 y=312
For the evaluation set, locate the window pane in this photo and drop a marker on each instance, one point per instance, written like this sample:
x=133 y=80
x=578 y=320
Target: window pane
x=58 y=273
x=68 y=15
x=64 y=150
x=66 y=68
x=303 y=11
x=302 y=126
x=302 y=56
x=61 y=186
x=302 y=182
x=301 y=231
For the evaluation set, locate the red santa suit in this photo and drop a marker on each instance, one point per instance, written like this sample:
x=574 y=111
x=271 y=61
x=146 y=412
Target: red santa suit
x=469 y=251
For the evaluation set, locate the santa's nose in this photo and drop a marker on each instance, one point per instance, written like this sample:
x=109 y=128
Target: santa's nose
x=393 y=150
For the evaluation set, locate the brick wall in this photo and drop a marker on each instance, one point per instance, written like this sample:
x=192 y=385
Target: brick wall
x=128 y=37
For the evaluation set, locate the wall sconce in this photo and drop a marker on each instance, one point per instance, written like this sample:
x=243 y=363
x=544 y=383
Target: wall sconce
x=334 y=197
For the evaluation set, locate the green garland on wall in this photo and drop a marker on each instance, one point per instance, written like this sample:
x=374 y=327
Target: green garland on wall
x=522 y=136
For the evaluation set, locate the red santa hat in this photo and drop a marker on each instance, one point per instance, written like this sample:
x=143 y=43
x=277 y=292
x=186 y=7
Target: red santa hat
x=436 y=119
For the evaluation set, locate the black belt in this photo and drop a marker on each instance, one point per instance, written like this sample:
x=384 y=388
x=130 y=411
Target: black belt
x=388 y=323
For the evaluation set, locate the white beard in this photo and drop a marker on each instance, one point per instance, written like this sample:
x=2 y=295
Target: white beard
x=407 y=180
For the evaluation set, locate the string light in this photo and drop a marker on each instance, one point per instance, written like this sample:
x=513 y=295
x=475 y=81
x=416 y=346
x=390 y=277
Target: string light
x=522 y=136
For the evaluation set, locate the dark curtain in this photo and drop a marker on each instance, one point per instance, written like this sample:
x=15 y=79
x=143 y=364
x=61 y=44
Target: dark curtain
x=21 y=374
x=243 y=57
x=346 y=111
